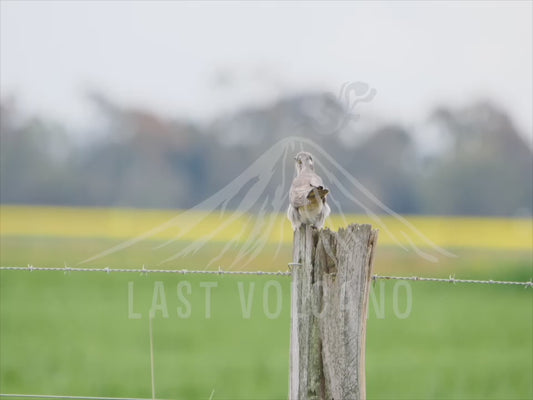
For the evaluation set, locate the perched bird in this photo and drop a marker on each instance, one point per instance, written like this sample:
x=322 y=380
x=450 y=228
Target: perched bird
x=307 y=195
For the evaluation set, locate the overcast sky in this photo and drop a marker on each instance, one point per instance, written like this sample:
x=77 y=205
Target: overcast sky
x=200 y=60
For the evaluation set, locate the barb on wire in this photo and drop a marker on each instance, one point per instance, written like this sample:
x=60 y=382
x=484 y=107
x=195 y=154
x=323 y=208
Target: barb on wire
x=221 y=271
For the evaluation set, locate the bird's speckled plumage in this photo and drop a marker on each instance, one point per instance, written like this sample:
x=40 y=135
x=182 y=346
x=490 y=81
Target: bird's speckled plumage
x=307 y=195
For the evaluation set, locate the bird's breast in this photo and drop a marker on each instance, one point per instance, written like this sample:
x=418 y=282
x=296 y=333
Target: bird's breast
x=311 y=211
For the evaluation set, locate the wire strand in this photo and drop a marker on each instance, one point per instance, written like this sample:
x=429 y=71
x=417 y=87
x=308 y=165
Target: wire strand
x=451 y=280
x=51 y=396
x=145 y=270
x=220 y=271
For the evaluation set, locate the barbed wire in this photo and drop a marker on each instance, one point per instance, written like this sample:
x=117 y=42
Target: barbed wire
x=221 y=271
x=145 y=270
x=51 y=396
x=451 y=279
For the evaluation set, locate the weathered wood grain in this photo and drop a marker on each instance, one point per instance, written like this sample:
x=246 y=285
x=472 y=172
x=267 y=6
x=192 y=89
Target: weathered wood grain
x=330 y=290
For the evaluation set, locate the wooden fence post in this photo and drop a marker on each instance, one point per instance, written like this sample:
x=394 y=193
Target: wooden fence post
x=330 y=289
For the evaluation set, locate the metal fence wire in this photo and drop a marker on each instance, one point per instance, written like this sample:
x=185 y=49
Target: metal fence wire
x=220 y=271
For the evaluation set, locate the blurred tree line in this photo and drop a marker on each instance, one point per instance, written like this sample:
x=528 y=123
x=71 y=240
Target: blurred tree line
x=135 y=158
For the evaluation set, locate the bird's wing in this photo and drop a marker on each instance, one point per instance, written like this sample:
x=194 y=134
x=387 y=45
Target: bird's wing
x=298 y=193
x=313 y=179
x=319 y=192
x=303 y=186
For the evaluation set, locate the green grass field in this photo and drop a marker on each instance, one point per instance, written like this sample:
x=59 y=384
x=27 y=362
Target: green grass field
x=72 y=333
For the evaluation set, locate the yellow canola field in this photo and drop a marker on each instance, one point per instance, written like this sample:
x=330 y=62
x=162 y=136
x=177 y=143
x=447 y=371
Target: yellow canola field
x=191 y=225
